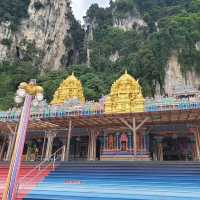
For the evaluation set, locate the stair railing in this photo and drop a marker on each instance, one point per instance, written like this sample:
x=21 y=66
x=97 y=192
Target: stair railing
x=51 y=162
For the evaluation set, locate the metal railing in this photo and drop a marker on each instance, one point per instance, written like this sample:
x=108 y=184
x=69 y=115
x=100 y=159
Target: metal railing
x=27 y=182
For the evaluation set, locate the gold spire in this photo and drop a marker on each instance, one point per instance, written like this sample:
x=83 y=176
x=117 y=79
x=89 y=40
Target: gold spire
x=70 y=88
x=125 y=96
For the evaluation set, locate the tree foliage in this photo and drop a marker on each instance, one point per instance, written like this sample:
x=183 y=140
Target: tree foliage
x=13 y=11
x=172 y=26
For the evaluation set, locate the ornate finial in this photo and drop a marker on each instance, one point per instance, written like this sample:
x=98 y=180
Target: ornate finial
x=72 y=73
x=126 y=71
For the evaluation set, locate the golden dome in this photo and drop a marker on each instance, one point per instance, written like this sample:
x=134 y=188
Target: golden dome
x=125 y=96
x=70 y=88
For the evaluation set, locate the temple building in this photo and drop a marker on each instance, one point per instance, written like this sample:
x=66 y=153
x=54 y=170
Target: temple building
x=122 y=126
x=70 y=88
x=125 y=96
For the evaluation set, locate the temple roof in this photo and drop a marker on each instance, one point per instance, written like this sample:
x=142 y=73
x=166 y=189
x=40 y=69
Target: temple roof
x=126 y=84
x=126 y=77
x=70 y=88
x=125 y=96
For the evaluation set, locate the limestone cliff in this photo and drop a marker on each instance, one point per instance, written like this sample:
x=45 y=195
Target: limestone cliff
x=129 y=22
x=6 y=38
x=45 y=30
x=126 y=15
x=174 y=76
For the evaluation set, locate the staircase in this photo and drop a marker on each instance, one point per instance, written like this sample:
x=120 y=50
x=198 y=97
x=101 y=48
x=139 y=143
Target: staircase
x=120 y=181
x=26 y=169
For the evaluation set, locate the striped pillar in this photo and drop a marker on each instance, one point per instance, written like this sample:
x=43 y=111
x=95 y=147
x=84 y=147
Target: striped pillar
x=11 y=182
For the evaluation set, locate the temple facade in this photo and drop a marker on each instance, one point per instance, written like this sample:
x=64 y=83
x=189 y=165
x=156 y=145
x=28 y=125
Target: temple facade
x=122 y=126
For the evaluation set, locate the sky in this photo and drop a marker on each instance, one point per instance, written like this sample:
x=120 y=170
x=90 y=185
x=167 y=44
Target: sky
x=80 y=7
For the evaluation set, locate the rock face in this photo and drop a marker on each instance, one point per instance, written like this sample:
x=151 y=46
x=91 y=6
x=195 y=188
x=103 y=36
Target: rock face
x=174 y=76
x=114 y=57
x=6 y=41
x=129 y=23
x=89 y=26
x=197 y=46
x=46 y=29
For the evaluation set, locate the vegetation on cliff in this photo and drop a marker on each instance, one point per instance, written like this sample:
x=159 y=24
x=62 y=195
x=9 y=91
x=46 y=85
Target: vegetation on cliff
x=172 y=26
x=13 y=11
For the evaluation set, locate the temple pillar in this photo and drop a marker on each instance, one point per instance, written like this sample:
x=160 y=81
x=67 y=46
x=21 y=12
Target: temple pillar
x=104 y=141
x=159 y=149
x=129 y=141
x=63 y=153
x=50 y=139
x=117 y=134
x=146 y=142
x=43 y=147
x=197 y=143
x=11 y=140
x=89 y=147
x=194 y=151
x=67 y=148
x=134 y=137
x=140 y=141
x=92 y=145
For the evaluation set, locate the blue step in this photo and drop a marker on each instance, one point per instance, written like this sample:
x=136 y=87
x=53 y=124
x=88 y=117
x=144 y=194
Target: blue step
x=120 y=181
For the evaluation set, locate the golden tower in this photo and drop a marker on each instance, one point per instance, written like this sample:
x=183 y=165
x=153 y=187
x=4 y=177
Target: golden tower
x=70 y=88
x=125 y=96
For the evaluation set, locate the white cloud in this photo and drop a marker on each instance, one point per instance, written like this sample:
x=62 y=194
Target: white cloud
x=80 y=6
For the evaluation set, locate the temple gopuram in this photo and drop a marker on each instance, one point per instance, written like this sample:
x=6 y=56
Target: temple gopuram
x=123 y=125
x=125 y=96
x=70 y=88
